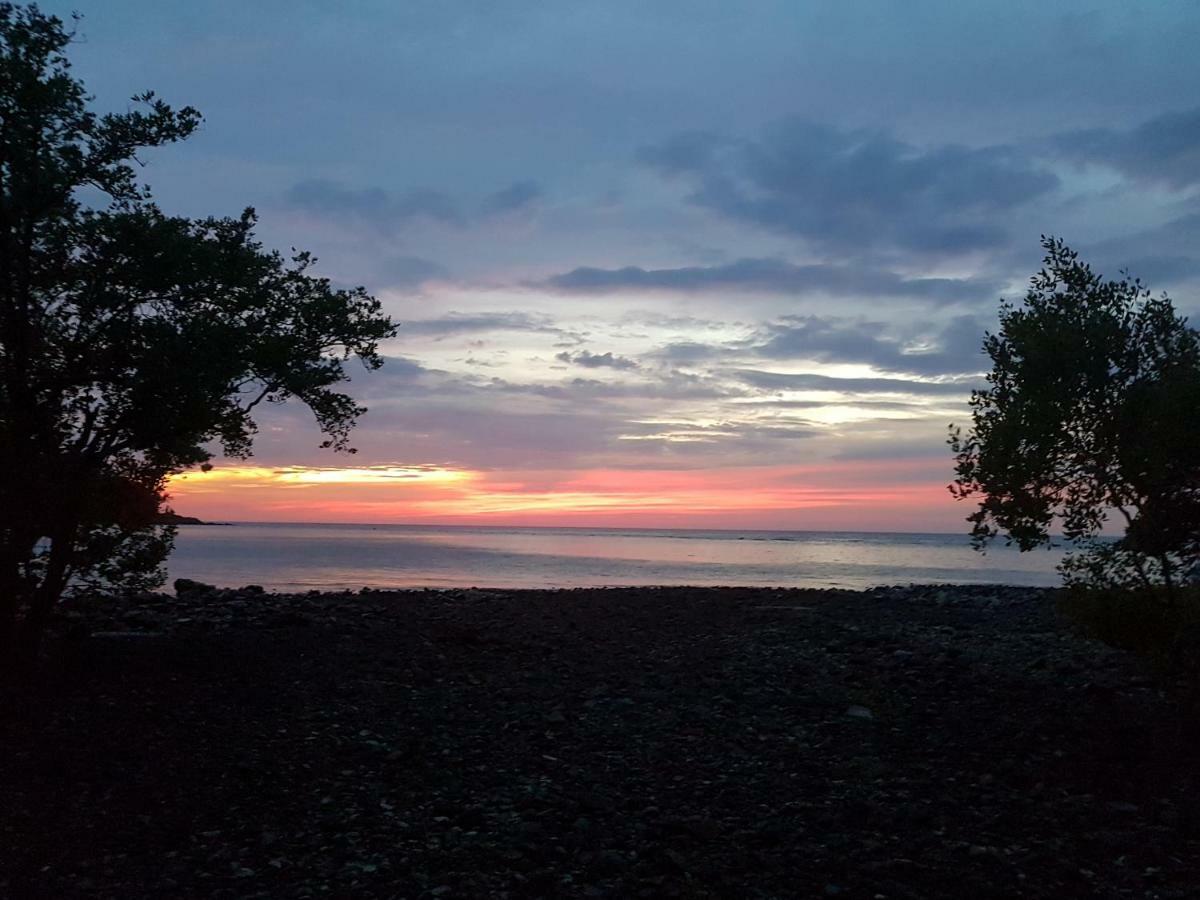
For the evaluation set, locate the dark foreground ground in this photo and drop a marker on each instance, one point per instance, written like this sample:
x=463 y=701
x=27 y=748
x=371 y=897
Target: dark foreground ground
x=922 y=742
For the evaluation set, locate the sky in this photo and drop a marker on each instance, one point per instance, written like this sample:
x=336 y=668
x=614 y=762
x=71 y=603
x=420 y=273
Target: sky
x=680 y=264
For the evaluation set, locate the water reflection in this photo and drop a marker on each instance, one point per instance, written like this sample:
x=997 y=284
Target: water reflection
x=296 y=557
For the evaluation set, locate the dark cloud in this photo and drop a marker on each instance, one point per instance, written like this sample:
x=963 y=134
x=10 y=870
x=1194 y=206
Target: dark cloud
x=1153 y=270
x=1166 y=254
x=373 y=206
x=476 y=435
x=517 y=196
x=408 y=271
x=668 y=386
x=692 y=151
x=781 y=381
x=1164 y=149
x=596 y=360
x=461 y=323
x=400 y=368
x=690 y=352
x=904 y=440
x=852 y=190
x=955 y=348
x=775 y=276
x=882 y=405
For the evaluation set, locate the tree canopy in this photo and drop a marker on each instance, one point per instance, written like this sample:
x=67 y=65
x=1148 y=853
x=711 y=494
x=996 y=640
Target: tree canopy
x=1088 y=419
x=132 y=343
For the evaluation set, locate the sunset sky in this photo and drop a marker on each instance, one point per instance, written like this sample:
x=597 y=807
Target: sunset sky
x=663 y=264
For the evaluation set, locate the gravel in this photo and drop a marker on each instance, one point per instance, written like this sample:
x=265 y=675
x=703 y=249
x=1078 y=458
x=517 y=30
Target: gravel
x=904 y=742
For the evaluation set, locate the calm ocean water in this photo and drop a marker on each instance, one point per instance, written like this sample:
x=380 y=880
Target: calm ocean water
x=291 y=557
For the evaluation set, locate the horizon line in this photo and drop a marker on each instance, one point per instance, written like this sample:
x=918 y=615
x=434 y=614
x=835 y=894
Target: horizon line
x=232 y=522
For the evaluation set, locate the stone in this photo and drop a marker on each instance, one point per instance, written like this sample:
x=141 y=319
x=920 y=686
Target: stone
x=187 y=586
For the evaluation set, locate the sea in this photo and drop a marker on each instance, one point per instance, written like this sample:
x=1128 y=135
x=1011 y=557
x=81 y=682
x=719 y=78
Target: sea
x=300 y=557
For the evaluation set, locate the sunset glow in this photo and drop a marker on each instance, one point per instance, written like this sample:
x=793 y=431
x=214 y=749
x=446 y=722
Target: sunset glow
x=815 y=496
x=746 y=287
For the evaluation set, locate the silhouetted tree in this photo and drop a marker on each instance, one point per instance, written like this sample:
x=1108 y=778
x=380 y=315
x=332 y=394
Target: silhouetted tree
x=130 y=341
x=1090 y=415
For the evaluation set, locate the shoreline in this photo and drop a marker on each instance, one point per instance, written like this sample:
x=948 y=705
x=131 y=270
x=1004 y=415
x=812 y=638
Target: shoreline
x=916 y=741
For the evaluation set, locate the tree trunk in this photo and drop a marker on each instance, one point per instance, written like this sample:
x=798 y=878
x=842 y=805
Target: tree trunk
x=8 y=629
x=11 y=601
x=1168 y=573
x=46 y=595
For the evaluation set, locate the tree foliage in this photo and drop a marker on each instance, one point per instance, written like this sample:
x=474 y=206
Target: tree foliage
x=131 y=342
x=1088 y=418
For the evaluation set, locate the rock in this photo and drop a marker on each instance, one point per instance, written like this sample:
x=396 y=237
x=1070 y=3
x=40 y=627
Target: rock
x=609 y=862
x=859 y=712
x=187 y=586
x=125 y=635
x=705 y=829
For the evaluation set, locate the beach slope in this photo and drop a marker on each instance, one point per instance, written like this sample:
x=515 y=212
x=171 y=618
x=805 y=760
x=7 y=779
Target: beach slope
x=901 y=742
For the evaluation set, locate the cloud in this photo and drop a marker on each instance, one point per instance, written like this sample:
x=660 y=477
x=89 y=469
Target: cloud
x=400 y=368
x=596 y=360
x=690 y=352
x=1164 y=269
x=1164 y=254
x=374 y=206
x=480 y=436
x=785 y=381
x=954 y=349
x=519 y=195
x=460 y=323
x=690 y=434
x=773 y=276
x=848 y=191
x=1164 y=149
x=409 y=271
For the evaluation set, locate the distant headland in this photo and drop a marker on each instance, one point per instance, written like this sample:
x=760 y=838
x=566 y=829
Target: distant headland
x=171 y=518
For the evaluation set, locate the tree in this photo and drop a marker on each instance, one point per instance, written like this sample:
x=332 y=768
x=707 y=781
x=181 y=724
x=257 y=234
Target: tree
x=131 y=342
x=1089 y=416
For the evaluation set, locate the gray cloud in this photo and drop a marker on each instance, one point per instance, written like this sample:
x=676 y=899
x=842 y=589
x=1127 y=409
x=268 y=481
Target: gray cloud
x=1162 y=255
x=1164 y=269
x=852 y=190
x=670 y=386
x=774 y=276
x=460 y=323
x=517 y=196
x=781 y=381
x=956 y=347
x=1164 y=149
x=690 y=352
x=882 y=405
x=408 y=271
x=596 y=360
x=373 y=206
x=952 y=348
x=686 y=435
x=483 y=437
x=400 y=368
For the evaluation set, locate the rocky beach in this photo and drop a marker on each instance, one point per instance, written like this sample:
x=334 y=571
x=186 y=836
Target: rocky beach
x=902 y=742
